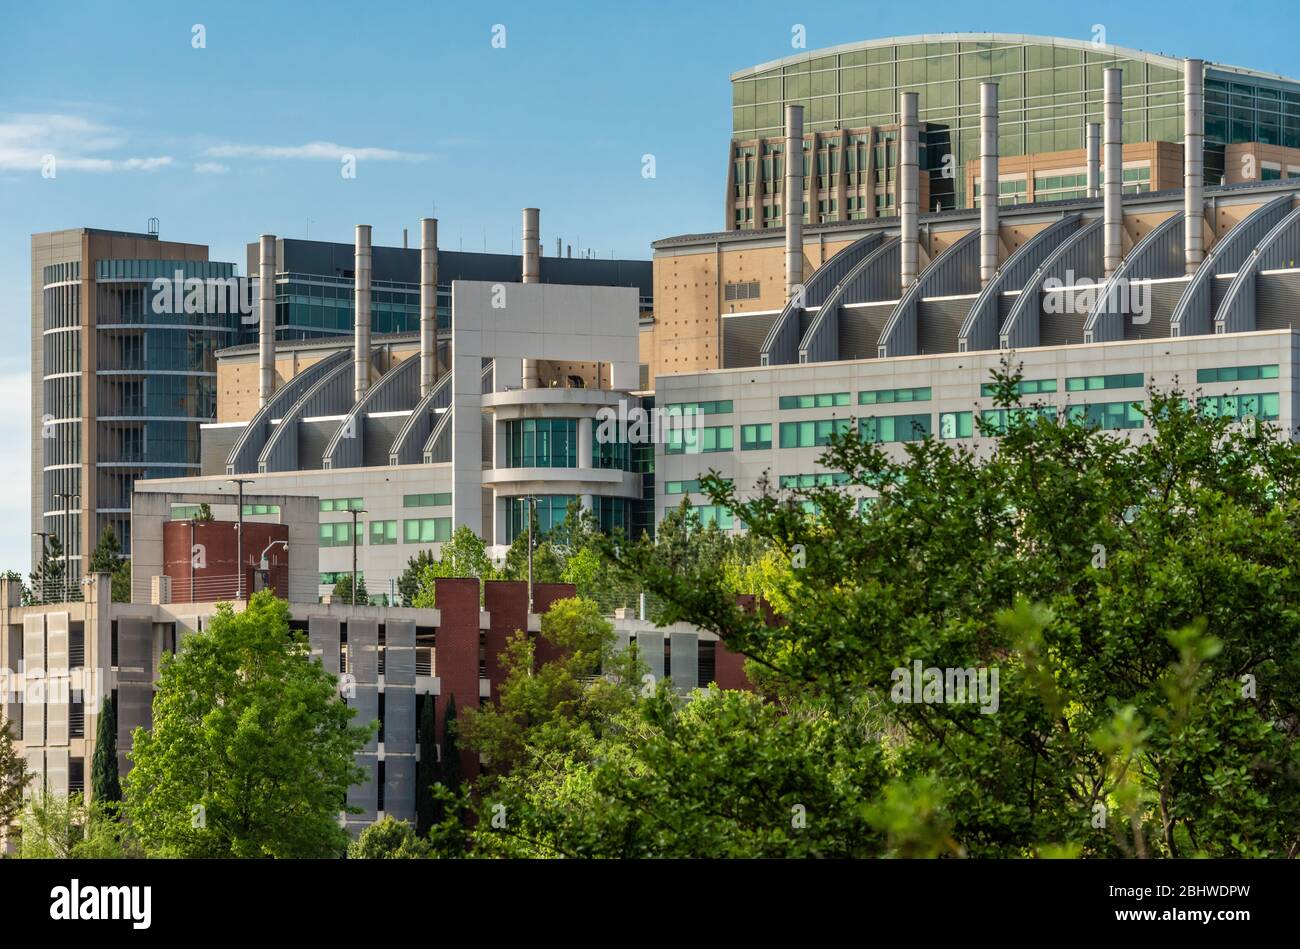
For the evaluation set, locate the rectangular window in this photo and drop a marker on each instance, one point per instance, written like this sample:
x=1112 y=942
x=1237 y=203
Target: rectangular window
x=1130 y=380
x=1111 y=416
x=716 y=407
x=956 y=424
x=686 y=487
x=888 y=396
x=756 y=437
x=895 y=428
x=822 y=400
x=715 y=514
x=1024 y=387
x=339 y=535
x=825 y=479
x=250 y=509
x=812 y=434
x=341 y=504
x=1236 y=373
x=427 y=500
x=695 y=441
x=426 y=530
x=1260 y=405
x=383 y=532
x=995 y=420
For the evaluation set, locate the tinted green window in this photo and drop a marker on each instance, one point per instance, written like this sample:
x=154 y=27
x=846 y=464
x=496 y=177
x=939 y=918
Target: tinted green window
x=717 y=407
x=542 y=443
x=339 y=535
x=811 y=434
x=1236 y=373
x=427 y=500
x=1260 y=405
x=715 y=514
x=341 y=504
x=823 y=400
x=695 y=441
x=956 y=424
x=995 y=420
x=1024 y=387
x=1111 y=416
x=261 y=509
x=383 y=532
x=756 y=437
x=895 y=428
x=1131 y=380
x=426 y=530
x=823 y=479
x=888 y=396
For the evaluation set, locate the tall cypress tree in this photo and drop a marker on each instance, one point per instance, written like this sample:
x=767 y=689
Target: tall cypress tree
x=104 y=784
x=428 y=771
x=451 y=772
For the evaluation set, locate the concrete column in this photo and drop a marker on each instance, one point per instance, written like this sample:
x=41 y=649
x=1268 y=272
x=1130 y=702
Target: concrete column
x=428 y=304
x=989 y=191
x=265 y=318
x=1113 y=212
x=1194 y=163
x=584 y=443
x=1094 y=159
x=361 y=330
x=531 y=273
x=907 y=178
x=793 y=204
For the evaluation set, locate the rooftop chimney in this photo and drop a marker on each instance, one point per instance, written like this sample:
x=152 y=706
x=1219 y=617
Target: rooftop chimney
x=793 y=199
x=1113 y=212
x=265 y=318
x=532 y=273
x=361 y=350
x=989 y=190
x=1194 y=164
x=1094 y=159
x=907 y=203
x=428 y=304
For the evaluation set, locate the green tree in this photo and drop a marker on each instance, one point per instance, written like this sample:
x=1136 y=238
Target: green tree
x=408 y=584
x=104 y=784
x=452 y=774
x=343 y=589
x=107 y=558
x=251 y=751
x=46 y=579
x=465 y=556
x=427 y=770
x=388 y=839
x=13 y=776
x=1132 y=594
x=52 y=826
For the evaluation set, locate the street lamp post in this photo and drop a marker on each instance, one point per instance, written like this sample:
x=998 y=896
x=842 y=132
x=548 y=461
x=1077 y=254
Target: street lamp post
x=239 y=541
x=355 y=512
x=67 y=498
x=262 y=564
x=532 y=508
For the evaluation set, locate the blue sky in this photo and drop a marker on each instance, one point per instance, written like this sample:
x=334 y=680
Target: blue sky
x=244 y=136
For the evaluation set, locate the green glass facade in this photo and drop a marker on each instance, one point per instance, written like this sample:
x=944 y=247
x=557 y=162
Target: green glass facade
x=1049 y=90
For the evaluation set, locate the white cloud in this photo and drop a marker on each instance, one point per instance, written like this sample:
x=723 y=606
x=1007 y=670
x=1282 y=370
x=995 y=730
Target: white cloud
x=27 y=139
x=314 y=151
x=211 y=168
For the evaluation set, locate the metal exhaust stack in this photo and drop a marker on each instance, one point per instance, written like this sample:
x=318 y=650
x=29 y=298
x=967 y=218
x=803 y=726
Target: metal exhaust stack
x=793 y=199
x=907 y=204
x=1113 y=212
x=1194 y=164
x=532 y=273
x=265 y=318
x=428 y=304
x=989 y=189
x=1094 y=159
x=361 y=350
